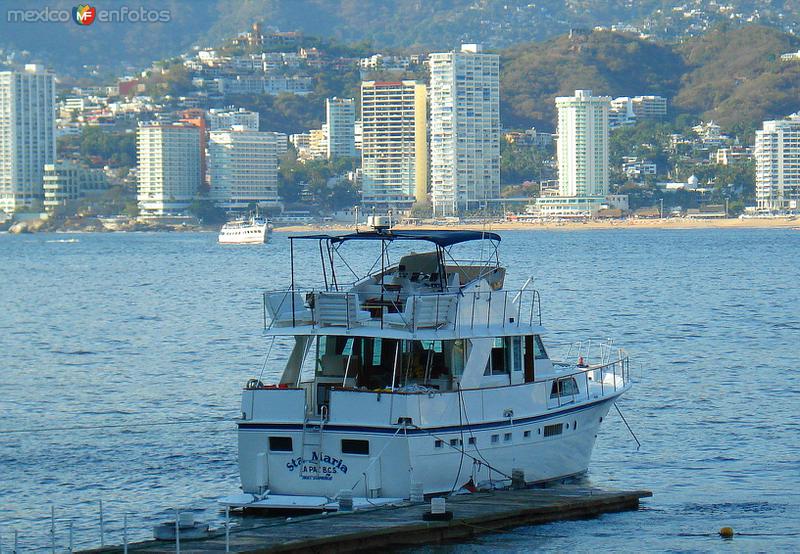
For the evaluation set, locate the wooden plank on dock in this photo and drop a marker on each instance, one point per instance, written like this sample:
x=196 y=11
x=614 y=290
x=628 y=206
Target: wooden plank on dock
x=403 y=525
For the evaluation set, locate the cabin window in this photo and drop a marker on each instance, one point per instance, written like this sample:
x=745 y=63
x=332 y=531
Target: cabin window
x=280 y=444
x=471 y=440
x=495 y=439
x=527 y=434
x=376 y=351
x=438 y=443
x=515 y=353
x=538 y=348
x=372 y=361
x=506 y=356
x=458 y=355
x=351 y=446
x=455 y=443
x=507 y=437
x=552 y=430
x=333 y=353
x=564 y=387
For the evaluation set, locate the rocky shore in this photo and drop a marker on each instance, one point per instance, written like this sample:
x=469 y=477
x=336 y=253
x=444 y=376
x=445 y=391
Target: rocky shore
x=95 y=225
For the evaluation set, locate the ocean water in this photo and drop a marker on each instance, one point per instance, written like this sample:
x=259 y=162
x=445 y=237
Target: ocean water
x=122 y=358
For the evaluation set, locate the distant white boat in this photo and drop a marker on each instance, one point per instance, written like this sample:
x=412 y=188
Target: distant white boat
x=253 y=230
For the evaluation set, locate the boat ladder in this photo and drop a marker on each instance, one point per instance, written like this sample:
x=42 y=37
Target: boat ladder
x=311 y=442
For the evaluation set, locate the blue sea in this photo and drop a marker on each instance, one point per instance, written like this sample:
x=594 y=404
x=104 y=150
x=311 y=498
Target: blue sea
x=122 y=358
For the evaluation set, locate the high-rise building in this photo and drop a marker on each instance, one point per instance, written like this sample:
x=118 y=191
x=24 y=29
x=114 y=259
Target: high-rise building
x=627 y=110
x=168 y=167
x=197 y=117
x=464 y=129
x=27 y=134
x=318 y=143
x=777 y=155
x=243 y=167
x=394 y=150
x=341 y=118
x=582 y=152
x=225 y=119
x=67 y=181
x=582 y=147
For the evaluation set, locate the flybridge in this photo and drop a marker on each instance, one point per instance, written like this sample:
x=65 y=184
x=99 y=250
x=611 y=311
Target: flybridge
x=439 y=238
x=437 y=277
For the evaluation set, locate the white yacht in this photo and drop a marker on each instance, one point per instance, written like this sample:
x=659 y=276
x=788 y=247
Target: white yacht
x=252 y=230
x=422 y=375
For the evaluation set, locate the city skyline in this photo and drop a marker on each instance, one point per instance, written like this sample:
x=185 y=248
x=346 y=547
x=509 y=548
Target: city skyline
x=456 y=166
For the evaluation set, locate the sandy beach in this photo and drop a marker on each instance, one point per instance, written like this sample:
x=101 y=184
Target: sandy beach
x=667 y=223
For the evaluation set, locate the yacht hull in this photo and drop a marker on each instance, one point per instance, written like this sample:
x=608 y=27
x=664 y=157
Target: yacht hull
x=431 y=456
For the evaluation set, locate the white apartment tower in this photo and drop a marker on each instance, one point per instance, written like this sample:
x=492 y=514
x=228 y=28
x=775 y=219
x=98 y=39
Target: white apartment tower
x=341 y=120
x=777 y=155
x=582 y=147
x=394 y=150
x=243 y=167
x=225 y=119
x=464 y=129
x=27 y=134
x=169 y=167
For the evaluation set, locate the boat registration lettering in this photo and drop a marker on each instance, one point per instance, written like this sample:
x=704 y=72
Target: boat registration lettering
x=318 y=467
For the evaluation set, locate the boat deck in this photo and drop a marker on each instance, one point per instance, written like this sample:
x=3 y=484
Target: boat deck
x=394 y=526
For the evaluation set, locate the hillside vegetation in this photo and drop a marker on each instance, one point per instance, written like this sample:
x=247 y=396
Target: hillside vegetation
x=733 y=76
x=736 y=77
x=406 y=24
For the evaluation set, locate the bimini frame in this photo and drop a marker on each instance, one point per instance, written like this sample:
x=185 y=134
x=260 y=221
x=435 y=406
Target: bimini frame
x=329 y=246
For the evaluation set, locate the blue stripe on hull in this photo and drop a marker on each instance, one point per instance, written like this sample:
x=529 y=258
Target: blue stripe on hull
x=422 y=431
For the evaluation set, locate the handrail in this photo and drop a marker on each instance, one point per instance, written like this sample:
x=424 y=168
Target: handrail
x=302 y=307
x=620 y=368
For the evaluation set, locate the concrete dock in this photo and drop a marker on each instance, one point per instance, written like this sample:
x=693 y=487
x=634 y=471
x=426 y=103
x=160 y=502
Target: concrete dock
x=395 y=526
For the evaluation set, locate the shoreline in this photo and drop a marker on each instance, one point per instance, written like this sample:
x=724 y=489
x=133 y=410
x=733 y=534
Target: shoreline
x=596 y=225
x=667 y=223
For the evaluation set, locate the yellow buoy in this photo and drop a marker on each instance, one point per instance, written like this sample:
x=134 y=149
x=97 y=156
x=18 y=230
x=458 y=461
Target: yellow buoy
x=726 y=532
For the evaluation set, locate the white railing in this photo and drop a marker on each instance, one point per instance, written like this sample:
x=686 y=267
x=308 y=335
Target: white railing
x=59 y=539
x=437 y=311
x=599 y=380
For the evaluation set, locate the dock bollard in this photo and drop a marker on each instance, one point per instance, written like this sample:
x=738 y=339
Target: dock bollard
x=416 y=495
x=438 y=511
x=345 y=500
x=517 y=479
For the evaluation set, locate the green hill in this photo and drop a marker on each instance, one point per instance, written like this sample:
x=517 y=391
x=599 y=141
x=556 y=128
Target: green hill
x=615 y=64
x=734 y=76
